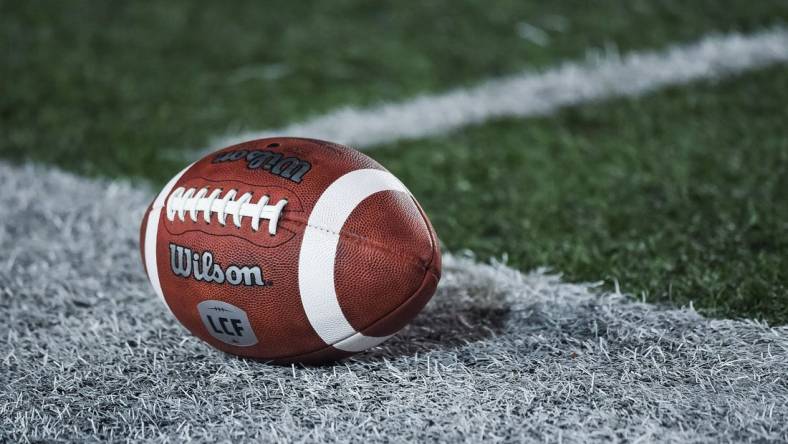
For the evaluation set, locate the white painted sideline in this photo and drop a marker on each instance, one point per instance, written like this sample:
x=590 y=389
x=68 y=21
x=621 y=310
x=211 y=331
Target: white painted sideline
x=497 y=353
x=537 y=93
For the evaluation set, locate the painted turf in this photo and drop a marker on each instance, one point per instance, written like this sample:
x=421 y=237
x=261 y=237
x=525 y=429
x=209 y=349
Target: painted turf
x=537 y=93
x=88 y=352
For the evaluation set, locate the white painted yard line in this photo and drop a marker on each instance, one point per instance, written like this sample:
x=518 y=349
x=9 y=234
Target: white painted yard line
x=539 y=93
x=498 y=351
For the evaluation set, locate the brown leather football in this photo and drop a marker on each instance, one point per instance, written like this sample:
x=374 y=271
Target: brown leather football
x=290 y=250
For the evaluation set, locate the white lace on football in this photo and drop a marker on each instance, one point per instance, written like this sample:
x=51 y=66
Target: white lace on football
x=191 y=201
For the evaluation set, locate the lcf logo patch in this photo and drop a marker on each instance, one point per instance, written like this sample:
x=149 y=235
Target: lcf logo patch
x=227 y=323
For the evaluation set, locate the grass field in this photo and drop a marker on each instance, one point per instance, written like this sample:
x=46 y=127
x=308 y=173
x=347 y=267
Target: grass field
x=90 y=354
x=676 y=196
x=679 y=196
x=107 y=89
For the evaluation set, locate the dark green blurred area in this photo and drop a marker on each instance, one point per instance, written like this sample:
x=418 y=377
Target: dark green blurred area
x=678 y=196
x=108 y=87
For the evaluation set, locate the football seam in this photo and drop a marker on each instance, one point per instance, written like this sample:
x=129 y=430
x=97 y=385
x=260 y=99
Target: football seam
x=434 y=244
x=367 y=241
x=352 y=236
x=197 y=230
x=418 y=289
x=428 y=270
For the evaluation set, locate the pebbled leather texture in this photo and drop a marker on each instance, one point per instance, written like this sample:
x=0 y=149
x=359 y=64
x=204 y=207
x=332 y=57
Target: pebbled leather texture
x=386 y=268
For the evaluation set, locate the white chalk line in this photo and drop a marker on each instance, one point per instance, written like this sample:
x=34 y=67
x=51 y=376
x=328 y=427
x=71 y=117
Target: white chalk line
x=531 y=93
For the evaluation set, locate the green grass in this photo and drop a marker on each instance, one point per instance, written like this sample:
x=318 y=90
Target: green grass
x=113 y=88
x=679 y=196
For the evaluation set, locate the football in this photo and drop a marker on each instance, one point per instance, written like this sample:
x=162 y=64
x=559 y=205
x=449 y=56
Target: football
x=290 y=250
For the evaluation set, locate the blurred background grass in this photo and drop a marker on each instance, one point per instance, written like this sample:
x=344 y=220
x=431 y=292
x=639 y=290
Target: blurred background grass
x=680 y=196
x=112 y=88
